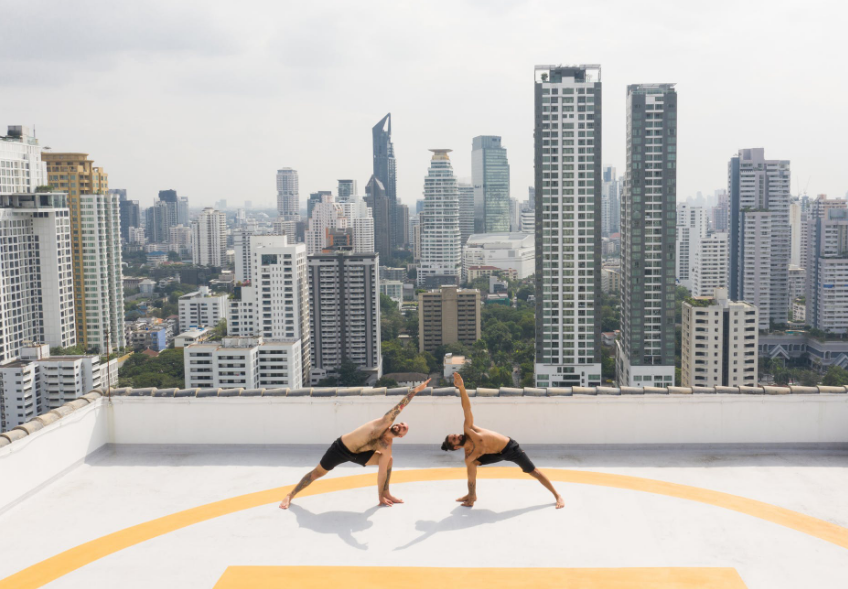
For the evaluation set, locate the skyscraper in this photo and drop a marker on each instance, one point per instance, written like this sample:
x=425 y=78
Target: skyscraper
x=385 y=172
x=567 y=142
x=209 y=238
x=314 y=199
x=344 y=306
x=648 y=213
x=691 y=229
x=288 y=194
x=21 y=167
x=490 y=177
x=611 y=198
x=96 y=238
x=466 y=210
x=441 y=240
x=347 y=190
x=169 y=211
x=379 y=203
x=130 y=213
x=36 y=281
x=759 y=234
x=279 y=268
x=827 y=272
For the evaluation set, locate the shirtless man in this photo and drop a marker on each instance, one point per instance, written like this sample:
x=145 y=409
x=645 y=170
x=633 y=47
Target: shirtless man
x=367 y=445
x=484 y=446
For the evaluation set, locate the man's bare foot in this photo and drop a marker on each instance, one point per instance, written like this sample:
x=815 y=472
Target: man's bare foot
x=286 y=502
x=385 y=501
x=392 y=498
x=560 y=502
x=469 y=503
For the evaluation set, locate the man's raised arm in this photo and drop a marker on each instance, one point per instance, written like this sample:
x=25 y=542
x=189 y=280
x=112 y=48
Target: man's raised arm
x=466 y=402
x=392 y=413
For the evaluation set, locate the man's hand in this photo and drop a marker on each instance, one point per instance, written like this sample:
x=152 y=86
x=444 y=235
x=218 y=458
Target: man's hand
x=468 y=500
x=385 y=501
x=420 y=387
x=457 y=380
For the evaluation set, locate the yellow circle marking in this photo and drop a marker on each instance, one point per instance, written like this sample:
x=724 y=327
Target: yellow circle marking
x=63 y=563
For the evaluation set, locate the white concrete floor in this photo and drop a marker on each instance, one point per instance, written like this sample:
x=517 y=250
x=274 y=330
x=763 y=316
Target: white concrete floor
x=513 y=524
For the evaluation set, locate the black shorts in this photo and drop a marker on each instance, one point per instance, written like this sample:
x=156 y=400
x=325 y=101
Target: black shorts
x=338 y=453
x=512 y=453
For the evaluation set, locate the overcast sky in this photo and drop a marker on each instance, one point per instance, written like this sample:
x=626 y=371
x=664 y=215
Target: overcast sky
x=211 y=98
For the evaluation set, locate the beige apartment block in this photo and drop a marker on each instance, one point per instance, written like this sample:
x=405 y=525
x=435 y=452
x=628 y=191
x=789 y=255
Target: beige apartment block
x=719 y=345
x=446 y=316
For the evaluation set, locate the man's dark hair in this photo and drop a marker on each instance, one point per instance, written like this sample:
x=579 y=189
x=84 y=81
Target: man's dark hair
x=446 y=445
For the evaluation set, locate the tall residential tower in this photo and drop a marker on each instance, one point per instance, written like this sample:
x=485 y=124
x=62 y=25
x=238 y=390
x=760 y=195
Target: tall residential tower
x=567 y=141
x=288 y=194
x=441 y=239
x=645 y=353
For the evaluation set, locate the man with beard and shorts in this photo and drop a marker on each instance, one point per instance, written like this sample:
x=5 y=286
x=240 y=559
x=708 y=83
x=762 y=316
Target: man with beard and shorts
x=367 y=445
x=484 y=446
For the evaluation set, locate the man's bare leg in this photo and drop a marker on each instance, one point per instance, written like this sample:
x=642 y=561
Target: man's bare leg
x=386 y=492
x=314 y=474
x=539 y=476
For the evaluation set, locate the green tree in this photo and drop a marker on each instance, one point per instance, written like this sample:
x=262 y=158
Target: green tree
x=835 y=377
x=386 y=382
x=350 y=375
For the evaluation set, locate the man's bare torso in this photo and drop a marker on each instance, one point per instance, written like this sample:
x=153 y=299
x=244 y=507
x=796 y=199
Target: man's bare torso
x=370 y=436
x=483 y=441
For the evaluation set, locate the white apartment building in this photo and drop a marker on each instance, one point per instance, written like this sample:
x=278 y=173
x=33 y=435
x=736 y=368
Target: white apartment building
x=209 y=238
x=759 y=234
x=180 y=239
x=281 y=226
x=326 y=215
x=691 y=229
x=276 y=304
x=38 y=382
x=344 y=307
x=36 y=274
x=708 y=269
x=244 y=362
x=568 y=241
x=527 y=221
x=136 y=236
x=795 y=220
x=719 y=342
x=288 y=194
x=202 y=309
x=358 y=214
x=21 y=168
x=441 y=238
x=827 y=290
x=507 y=251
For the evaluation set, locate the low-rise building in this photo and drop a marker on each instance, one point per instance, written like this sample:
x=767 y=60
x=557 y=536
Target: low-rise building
x=820 y=353
x=799 y=310
x=39 y=382
x=407 y=379
x=610 y=279
x=192 y=336
x=506 y=251
x=392 y=289
x=154 y=337
x=387 y=273
x=157 y=258
x=719 y=342
x=453 y=363
x=147 y=287
x=244 y=362
x=472 y=273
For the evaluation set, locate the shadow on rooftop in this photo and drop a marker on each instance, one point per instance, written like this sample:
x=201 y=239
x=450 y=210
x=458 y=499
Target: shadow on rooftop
x=341 y=523
x=463 y=518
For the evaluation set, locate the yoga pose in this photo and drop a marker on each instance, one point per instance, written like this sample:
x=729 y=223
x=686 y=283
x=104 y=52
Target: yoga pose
x=484 y=446
x=367 y=445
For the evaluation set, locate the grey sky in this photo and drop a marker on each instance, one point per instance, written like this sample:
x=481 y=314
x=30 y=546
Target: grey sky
x=210 y=98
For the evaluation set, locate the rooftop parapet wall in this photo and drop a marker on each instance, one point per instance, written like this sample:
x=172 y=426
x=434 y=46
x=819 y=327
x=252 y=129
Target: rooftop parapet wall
x=50 y=417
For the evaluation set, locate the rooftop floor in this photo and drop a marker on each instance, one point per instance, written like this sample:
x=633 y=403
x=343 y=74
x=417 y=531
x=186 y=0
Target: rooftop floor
x=632 y=518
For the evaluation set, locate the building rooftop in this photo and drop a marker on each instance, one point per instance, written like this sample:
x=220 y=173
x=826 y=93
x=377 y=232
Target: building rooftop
x=664 y=488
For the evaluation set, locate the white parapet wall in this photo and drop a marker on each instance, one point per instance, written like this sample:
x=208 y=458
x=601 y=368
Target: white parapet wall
x=661 y=419
x=34 y=459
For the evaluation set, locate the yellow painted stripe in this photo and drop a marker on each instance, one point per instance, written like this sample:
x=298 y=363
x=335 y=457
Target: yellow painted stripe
x=270 y=577
x=54 y=567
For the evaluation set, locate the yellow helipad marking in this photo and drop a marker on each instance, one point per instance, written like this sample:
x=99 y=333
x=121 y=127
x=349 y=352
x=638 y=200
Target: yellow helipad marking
x=269 y=577
x=57 y=566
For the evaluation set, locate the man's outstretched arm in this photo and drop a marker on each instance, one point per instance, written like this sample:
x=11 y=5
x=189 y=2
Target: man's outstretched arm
x=468 y=500
x=392 y=413
x=466 y=402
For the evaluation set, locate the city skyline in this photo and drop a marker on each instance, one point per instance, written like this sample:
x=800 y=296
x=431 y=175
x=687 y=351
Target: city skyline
x=273 y=104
